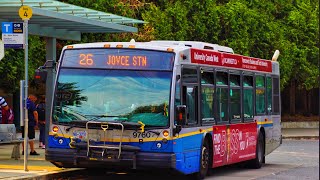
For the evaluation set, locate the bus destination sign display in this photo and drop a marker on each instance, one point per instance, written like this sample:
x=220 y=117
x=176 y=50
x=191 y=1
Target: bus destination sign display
x=118 y=59
x=230 y=60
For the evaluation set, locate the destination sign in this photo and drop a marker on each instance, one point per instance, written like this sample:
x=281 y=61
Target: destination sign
x=230 y=60
x=118 y=59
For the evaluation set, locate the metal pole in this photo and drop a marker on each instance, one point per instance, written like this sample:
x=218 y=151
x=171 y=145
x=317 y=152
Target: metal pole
x=26 y=120
x=50 y=68
x=22 y=103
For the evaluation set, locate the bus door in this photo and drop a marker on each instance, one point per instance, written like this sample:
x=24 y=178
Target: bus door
x=189 y=138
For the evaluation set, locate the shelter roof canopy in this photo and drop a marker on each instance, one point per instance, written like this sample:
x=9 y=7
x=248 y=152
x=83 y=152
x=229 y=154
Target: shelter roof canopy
x=52 y=18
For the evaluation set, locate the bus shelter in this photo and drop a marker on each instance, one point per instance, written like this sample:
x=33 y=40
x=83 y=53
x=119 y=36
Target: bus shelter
x=57 y=20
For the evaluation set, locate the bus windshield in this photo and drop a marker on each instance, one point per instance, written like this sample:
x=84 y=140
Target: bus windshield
x=112 y=95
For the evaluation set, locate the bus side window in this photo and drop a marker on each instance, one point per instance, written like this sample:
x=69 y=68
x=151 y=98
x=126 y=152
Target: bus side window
x=190 y=99
x=260 y=95
x=207 y=103
x=207 y=95
x=269 y=95
x=235 y=96
x=247 y=97
x=222 y=104
x=276 y=95
x=177 y=99
x=190 y=93
x=222 y=96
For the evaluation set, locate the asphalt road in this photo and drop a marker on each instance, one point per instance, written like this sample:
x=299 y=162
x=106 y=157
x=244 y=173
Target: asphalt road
x=293 y=160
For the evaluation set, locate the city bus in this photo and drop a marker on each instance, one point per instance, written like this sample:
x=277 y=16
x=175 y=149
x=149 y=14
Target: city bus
x=180 y=105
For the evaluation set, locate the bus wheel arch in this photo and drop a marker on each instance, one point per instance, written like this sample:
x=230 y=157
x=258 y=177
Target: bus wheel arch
x=264 y=143
x=206 y=156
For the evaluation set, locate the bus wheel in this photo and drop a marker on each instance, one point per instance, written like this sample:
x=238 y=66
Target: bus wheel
x=204 y=161
x=257 y=162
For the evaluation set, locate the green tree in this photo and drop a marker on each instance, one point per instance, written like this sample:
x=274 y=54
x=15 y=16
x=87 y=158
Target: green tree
x=13 y=65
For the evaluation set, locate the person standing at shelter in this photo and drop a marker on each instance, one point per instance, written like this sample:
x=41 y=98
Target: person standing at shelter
x=33 y=121
x=3 y=104
x=41 y=109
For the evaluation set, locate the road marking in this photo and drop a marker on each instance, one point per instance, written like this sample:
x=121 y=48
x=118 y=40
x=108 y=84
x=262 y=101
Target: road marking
x=31 y=168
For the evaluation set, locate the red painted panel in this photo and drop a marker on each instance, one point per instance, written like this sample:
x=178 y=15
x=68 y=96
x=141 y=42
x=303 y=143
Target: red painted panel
x=232 y=60
x=206 y=57
x=242 y=140
x=200 y=56
x=234 y=143
x=256 y=64
x=219 y=145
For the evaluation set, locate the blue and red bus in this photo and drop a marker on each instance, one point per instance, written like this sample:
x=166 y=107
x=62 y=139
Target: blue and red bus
x=181 y=105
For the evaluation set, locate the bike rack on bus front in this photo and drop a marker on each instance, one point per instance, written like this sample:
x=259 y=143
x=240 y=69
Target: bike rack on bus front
x=104 y=126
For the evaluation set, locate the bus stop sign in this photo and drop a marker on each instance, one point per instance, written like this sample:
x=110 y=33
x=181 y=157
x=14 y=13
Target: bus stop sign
x=25 y=12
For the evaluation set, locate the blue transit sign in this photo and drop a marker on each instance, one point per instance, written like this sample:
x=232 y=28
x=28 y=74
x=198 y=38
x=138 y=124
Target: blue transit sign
x=7 y=27
x=12 y=34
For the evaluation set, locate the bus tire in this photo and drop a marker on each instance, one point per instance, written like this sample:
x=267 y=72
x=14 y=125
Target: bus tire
x=204 y=161
x=258 y=161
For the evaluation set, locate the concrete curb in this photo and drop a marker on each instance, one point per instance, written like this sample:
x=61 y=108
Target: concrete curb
x=301 y=137
x=300 y=124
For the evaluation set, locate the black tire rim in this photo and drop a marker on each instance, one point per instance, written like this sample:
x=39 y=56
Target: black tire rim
x=204 y=160
x=260 y=147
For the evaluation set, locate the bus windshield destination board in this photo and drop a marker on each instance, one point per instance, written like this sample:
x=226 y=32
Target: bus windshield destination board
x=118 y=59
x=230 y=60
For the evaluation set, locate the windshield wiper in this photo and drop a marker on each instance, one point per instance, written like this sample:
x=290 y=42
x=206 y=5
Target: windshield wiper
x=75 y=123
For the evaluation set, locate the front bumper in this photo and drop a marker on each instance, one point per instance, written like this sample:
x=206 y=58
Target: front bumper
x=70 y=158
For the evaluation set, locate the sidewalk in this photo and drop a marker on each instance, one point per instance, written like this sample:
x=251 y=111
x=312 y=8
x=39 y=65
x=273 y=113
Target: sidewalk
x=37 y=165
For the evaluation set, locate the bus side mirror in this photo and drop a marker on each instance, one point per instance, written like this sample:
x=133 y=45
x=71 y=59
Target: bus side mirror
x=181 y=115
x=40 y=76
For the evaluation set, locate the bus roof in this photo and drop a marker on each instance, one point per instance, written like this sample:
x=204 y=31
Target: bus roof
x=199 y=45
x=160 y=45
x=199 y=53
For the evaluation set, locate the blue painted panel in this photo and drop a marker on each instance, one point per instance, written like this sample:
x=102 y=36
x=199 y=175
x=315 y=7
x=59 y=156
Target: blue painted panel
x=265 y=125
x=153 y=146
x=7 y=27
x=187 y=150
x=59 y=142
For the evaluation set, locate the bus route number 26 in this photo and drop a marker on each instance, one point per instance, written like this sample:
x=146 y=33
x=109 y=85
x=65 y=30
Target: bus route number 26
x=86 y=59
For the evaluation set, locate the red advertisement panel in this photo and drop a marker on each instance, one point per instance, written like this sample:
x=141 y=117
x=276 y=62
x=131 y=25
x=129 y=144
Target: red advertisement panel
x=256 y=64
x=242 y=140
x=229 y=60
x=219 y=145
x=234 y=143
x=206 y=57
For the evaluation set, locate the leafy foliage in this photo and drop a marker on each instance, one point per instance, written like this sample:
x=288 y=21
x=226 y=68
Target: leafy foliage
x=251 y=27
x=13 y=65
